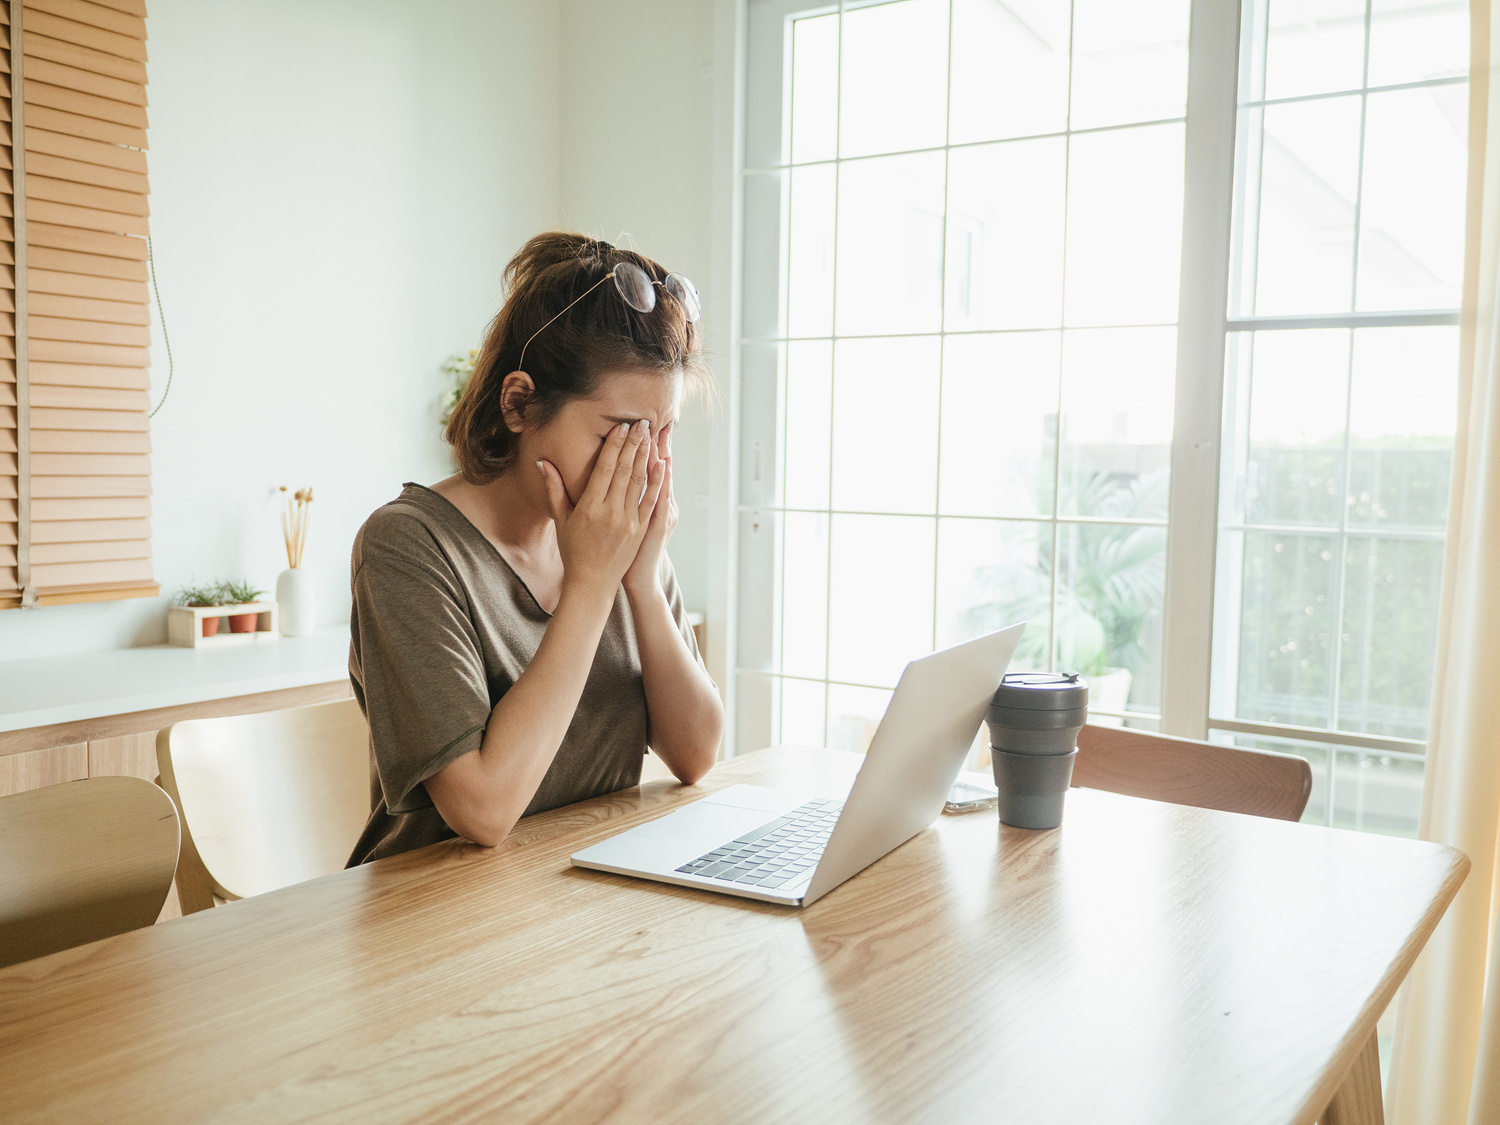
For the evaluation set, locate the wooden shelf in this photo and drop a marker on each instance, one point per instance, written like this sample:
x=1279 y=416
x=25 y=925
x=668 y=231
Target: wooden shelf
x=185 y=624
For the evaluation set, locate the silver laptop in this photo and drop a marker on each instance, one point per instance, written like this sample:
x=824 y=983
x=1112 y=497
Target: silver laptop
x=767 y=844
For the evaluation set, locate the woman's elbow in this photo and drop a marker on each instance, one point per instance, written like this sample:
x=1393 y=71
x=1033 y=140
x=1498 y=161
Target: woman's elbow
x=691 y=766
x=474 y=826
x=692 y=774
x=485 y=835
x=472 y=820
x=469 y=805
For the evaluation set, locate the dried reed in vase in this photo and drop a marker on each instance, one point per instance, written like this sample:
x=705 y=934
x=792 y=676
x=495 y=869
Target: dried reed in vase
x=294 y=523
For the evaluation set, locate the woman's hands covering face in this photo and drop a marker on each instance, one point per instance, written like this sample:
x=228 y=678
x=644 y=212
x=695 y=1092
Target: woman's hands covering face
x=644 y=574
x=604 y=535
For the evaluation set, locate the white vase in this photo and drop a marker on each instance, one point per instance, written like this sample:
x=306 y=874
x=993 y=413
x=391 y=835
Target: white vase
x=295 y=605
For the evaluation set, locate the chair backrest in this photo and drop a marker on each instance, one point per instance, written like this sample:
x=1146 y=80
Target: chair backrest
x=81 y=861
x=1185 y=772
x=267 y=800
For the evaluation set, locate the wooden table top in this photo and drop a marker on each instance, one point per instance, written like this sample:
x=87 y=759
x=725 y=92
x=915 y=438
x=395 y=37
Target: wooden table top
x=1144 y=963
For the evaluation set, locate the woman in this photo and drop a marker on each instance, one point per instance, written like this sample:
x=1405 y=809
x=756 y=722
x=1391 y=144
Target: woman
x=518 y=637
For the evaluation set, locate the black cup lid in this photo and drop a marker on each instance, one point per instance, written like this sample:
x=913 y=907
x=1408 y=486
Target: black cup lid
x=1042 y=691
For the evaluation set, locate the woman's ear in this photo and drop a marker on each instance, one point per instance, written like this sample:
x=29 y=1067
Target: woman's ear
x=515 y=394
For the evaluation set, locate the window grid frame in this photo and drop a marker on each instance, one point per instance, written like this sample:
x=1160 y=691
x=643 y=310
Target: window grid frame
x=1240 y=119
x=1247 y=247
x=1349 y=321
x=1055 y=521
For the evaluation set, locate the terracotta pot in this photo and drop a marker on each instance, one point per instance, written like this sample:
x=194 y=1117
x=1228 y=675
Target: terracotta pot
x=243 y=622
x=210 y=626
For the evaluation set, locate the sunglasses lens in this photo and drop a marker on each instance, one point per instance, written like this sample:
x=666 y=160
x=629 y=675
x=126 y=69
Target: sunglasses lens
x=635 y=287
x=682 y=289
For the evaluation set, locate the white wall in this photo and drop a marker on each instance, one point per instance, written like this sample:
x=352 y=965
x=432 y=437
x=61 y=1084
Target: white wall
x=636 y=92
x=336 y=186
x=642 y=151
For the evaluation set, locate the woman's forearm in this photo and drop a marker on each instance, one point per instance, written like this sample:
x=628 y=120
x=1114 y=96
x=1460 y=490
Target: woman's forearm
x=686 y=716
x=481 y=795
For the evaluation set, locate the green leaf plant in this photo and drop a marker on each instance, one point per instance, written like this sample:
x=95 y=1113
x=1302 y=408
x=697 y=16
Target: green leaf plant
x=199 y=594
x=238 y=592
x=1109 y=584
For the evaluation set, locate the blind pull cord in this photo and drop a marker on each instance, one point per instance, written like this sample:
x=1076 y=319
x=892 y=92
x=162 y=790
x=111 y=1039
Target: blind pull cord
x=161 y=318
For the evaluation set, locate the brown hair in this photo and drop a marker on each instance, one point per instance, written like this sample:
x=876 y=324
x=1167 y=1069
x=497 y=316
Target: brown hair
x=598 y=334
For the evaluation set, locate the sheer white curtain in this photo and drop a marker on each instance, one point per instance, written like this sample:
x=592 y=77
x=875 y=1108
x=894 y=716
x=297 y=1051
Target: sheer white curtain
x=1445 y=1069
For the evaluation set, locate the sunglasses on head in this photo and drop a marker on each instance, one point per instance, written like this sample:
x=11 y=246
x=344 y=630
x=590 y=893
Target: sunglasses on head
x=637 y=289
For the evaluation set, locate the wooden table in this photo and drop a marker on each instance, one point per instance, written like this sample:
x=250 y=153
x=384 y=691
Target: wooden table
x=1145 y=963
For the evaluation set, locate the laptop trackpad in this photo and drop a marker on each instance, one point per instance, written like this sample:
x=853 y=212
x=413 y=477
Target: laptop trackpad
x=688 y=832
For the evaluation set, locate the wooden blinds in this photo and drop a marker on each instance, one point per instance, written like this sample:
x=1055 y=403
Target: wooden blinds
x=75 y=481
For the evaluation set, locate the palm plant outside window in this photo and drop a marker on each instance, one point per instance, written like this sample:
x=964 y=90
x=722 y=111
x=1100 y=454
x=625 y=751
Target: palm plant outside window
x=980 y=280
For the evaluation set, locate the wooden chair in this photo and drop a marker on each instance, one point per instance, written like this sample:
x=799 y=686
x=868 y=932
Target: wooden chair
x=1185 y=772
x=83 y=860
x=266 y=800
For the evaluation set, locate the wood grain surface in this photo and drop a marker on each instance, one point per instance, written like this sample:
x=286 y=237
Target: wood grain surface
x=130 y=755
x=36 y=768
x=1359 y=1101
x=1184 y=771
x=1144 y=963
x=83 y=861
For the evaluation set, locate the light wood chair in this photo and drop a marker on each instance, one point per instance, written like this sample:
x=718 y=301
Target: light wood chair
x=1186 y=772
x=266 y=800
x=83 y=860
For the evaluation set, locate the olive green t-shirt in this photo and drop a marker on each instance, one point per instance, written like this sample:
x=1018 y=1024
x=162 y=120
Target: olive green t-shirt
x=440 y=628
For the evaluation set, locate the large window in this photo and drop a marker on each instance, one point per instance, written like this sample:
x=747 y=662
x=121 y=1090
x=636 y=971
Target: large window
x=976 y=238
x=1340 y=384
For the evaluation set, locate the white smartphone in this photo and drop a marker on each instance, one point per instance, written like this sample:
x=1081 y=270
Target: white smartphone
x=968 y=796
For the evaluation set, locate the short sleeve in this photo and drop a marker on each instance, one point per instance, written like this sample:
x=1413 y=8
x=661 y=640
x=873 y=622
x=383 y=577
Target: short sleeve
x=417 y=658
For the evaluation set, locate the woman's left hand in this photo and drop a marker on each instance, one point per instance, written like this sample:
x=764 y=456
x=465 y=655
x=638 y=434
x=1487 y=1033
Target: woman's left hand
x=644 y=575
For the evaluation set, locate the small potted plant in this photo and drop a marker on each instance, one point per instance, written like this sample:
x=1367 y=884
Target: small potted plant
x=206 y=594
x=459 y=369
x=240 y=593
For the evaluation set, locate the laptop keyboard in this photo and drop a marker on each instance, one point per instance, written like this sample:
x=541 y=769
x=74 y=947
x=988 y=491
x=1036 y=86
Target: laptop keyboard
x=779 y=851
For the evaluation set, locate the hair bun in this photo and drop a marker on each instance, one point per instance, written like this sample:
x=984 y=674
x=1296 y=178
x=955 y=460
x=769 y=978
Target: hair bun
x=573 y=344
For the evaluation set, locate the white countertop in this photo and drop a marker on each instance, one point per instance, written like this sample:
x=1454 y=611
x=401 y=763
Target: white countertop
x=65 y=689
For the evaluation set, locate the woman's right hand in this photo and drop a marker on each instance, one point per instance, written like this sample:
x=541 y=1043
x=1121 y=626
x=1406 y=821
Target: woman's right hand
x=600 y=536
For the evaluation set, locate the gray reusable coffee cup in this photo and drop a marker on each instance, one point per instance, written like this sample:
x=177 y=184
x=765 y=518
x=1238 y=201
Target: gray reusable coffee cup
x=1034 y=722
